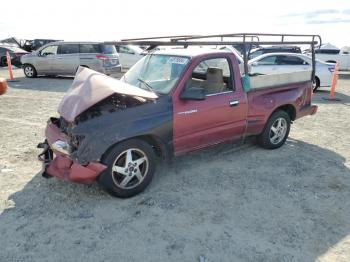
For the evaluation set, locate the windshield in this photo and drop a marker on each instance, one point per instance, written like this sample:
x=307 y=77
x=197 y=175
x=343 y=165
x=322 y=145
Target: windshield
x=157 y=72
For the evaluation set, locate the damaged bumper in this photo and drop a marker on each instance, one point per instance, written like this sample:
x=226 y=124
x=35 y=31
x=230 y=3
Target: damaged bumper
x=56 y=160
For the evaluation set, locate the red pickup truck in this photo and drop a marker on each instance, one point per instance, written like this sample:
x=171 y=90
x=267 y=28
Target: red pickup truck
x=171 y=102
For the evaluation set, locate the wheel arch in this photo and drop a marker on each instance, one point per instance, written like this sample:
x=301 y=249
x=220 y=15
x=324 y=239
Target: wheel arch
x=24 y=64
x=288 y=108
x=158 y=145
x=318 y=81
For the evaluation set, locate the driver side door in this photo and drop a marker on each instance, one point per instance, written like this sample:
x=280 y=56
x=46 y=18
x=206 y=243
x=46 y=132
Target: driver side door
x=46 y=59
x=219 y=117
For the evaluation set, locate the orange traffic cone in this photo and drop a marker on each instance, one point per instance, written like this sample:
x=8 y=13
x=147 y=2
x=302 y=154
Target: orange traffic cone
x=334 y=83
x=3 y=86
x=9 y=66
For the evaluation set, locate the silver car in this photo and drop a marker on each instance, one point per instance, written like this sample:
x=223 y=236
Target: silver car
x=64 y=58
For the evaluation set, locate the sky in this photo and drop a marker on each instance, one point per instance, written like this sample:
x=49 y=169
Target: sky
x=114 y=20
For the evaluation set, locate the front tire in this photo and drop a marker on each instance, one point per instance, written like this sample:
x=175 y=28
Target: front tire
x=130 y=168
x=276 y=130
x=3 y=61
x=29 y=71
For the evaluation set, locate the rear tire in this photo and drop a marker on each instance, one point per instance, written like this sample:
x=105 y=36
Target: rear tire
x=316 y=84
x=130 y=168
x=276 y=130
x=29 y=71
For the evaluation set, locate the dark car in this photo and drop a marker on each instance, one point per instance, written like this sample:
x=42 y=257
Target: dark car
x=274 y=49
x=15 y=54
x=32 y=45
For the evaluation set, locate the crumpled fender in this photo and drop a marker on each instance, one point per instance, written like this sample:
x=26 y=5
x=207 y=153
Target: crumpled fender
x=100 y=133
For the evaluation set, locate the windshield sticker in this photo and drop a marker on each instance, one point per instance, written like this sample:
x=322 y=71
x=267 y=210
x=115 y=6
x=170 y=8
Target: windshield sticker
x=178 y=60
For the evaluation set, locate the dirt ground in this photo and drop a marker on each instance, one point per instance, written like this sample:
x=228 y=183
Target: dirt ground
x=229 y=203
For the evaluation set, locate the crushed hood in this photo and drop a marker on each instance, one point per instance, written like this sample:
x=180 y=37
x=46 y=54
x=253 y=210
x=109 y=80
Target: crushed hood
x=90 y=87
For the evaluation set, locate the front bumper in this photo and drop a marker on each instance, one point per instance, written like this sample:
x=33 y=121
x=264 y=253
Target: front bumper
x=60 y=165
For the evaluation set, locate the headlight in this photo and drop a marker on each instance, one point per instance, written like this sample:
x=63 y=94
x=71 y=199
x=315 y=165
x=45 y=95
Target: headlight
x=61 y=146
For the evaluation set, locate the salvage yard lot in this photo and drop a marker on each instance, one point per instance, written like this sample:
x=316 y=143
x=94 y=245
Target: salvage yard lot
x=228 y=203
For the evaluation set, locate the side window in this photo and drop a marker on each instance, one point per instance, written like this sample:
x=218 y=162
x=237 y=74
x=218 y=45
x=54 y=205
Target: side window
x=125 y=50
x=108 y=49
x=214 y=75
x=68 y=49
x=268 y=60
x=291 y=60
x=49 y=50
x=89 y=48
x=256 y=54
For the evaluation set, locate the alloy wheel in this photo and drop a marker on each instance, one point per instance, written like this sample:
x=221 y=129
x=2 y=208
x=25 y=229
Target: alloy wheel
x=130 y=168
x=278 y=130
x=29 y=71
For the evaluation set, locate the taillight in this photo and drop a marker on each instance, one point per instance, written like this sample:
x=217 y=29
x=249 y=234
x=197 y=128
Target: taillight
x=107 y=60
x=331 y=69
x=102 y=57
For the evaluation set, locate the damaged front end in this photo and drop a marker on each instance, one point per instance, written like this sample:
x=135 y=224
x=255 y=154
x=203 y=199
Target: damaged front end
x=92 y=97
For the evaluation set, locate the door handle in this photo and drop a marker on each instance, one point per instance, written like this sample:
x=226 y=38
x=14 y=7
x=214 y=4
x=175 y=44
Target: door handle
x=234 y=103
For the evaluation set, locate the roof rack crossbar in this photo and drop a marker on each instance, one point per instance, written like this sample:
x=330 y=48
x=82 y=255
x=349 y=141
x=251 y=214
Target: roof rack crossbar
x=203 y=43
x=159 y=37
x=247 y=39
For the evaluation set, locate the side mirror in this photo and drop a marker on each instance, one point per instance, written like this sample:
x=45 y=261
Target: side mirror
x=193 y=93
x=254 y=64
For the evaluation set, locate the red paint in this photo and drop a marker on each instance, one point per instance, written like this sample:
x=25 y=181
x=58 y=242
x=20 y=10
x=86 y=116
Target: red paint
x=65 y=168
x=213 y=121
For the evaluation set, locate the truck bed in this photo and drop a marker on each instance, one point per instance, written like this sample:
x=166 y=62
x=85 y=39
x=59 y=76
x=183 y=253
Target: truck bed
x=278 y=80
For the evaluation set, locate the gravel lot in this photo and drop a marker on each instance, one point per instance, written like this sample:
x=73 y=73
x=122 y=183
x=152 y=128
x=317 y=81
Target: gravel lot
x=229 y=203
